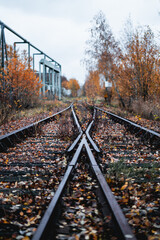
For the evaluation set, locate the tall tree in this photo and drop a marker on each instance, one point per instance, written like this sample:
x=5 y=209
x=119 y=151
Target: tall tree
x=103 y=52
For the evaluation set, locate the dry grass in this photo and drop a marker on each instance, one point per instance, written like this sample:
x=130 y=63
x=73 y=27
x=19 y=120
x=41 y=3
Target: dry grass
x=43 y=106
x=148 y=110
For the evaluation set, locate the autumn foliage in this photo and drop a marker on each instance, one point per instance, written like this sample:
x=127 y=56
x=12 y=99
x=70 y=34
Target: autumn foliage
x=64 y=82
x=139 y=73
x=73 y=85
x=19 y=85
x=132 y=65
x=92 y=85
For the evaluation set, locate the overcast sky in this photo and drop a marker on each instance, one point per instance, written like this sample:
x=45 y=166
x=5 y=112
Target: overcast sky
x=60 y=27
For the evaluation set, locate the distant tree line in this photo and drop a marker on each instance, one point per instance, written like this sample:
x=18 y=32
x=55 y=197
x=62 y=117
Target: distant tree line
x=71 y=84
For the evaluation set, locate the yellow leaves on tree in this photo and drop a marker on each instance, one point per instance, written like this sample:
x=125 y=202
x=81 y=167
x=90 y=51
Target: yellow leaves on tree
x=73 y=85
x=138 y=72
x=92 y=85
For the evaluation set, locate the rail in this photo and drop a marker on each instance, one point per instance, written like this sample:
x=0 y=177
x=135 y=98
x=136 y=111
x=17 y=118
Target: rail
x=9 y=140
x=50 y=217
x=152 y=136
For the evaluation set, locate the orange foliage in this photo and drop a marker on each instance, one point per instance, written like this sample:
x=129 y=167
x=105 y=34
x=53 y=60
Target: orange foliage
x=73 y=85
x=65 y=84
x=138 y=75
x=92 y=84
x=133 y=69
x=19 y=83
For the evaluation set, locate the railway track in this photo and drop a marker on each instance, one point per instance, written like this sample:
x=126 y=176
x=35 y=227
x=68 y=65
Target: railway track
x=83 y=205
x=131 y=165
x=147 y=135
x=30 y=172
x=83 y=158
x=10 y=139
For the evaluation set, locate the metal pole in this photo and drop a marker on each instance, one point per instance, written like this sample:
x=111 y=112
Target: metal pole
x=40 y=91
x=44 y=80
x=28 y=50
x=17 y=43
x=33 y=58
x=33 y=62
x=59 y=83
x=5 y=48
x=55 y=75
x=53 y=81
x=28 y=55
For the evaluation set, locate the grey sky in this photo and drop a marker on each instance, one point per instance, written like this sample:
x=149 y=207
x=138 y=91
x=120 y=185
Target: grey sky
x=60 y=27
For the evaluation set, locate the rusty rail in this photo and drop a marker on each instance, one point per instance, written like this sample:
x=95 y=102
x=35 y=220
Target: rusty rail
x=144 y=133
x=49 y=219
x=10 y=139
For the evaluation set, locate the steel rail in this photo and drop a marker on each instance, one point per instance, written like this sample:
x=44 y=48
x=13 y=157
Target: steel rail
x=81 y=132
x=75 y=143
x=148 y=133
x=79 y=129
x=123 y=226
x=49 y=219
x=50 y=216
x=89 y=137
x=10 y=139
x=76 y=120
